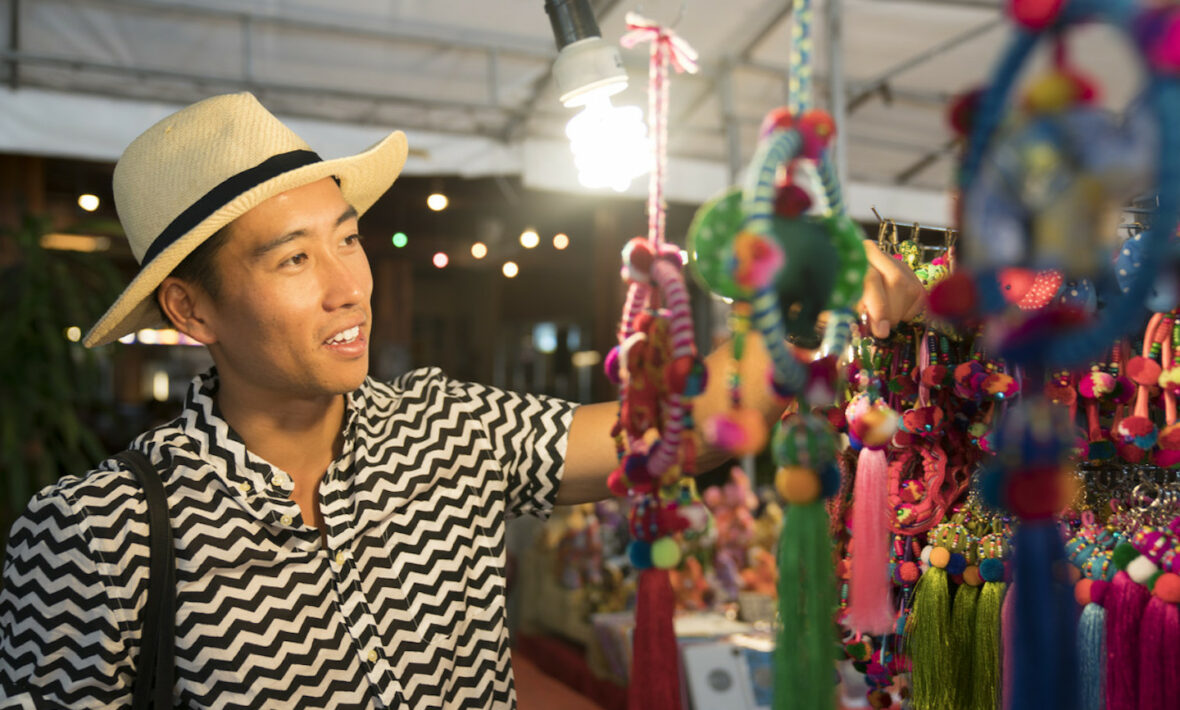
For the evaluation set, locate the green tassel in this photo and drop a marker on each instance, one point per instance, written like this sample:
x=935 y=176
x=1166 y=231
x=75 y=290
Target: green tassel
x=804 y=671
x=928 y=643
x=985 y=694
x=962 y=642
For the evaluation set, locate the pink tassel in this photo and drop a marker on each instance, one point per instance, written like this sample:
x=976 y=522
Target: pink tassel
x=1007 y=623
x=1125 y=603
x=870 y=606
x=1159 y=654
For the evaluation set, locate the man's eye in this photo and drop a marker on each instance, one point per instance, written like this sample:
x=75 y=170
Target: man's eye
x=294 y=260
x=354 y=239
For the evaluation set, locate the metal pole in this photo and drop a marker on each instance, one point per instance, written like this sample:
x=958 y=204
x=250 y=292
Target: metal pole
x=14 y=43
x=837 y=101
x=733 y=137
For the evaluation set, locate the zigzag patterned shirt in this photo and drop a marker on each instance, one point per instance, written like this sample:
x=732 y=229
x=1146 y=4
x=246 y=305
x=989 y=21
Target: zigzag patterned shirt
x=404 y=608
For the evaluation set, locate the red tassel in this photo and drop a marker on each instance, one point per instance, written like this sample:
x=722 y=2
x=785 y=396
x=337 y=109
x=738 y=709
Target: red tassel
x=1159 y=654
x=870 y=607
x=1125 y=603
x=655 y=665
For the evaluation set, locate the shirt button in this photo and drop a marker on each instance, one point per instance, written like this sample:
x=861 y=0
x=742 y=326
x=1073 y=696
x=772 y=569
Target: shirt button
x=373 y=656
x=340 y=561
x=278 y=480
x=286 y=520
x=244 y=487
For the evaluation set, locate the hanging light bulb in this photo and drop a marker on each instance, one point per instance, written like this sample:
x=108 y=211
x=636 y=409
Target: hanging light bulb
x=609 y=143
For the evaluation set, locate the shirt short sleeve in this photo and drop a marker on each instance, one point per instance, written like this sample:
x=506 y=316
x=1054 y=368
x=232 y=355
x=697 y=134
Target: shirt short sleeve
x=61 y=644
x=528 y=435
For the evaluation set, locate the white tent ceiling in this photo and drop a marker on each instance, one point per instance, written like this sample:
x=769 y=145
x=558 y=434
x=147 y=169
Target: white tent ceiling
x=469 y=80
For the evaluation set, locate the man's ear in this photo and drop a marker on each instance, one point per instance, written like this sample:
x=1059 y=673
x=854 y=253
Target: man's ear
x=187 y=306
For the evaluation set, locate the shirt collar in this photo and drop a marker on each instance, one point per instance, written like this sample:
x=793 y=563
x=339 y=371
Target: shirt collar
x=222 y=448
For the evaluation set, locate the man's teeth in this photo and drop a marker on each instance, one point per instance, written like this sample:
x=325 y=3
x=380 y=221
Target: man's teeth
x=346 y=336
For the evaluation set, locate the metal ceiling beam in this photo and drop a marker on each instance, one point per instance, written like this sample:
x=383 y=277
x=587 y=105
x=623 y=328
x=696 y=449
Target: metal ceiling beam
x=863 y=91
x=915 y=168
x=764 y=21
x=242 y=84
x=404 y=31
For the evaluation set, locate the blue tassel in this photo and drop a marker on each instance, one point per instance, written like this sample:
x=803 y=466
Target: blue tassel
x=1092 y=657
x=1044 y=647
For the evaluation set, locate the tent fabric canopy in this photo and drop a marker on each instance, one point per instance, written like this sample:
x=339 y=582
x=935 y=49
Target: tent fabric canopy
x=470 y=82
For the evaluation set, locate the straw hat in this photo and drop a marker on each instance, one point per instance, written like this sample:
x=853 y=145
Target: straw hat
x=202 y=167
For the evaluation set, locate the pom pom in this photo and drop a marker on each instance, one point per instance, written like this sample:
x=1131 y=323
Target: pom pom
x=739 y=432
x=778 y=119
x=1136 y=431
x=1123 y=554
x=1035 y=15
x=963 y=110
x=698 y=379
x=665 y=553
x=791 y=201
x=639 y=552
x=797 y=484
x=972 y=577
x=677 y=372
x=1082 y=592
x=1098 y=591
x=1144 y=371
x=758 y=260
x=957 y=564
x=1167 y=587
x=940 y=557
x=955 y=297
x=611 y=365
x=829 y=479
x=1096 y=385
x=934 y=376
x=1169 y=380
x=908 y=573
x=1141 y=569
x=817 y=128
x=925 y=555
x=637 y=260
x=617 y=482
x=992 y=570
x=876 y=427
x=1000 y=385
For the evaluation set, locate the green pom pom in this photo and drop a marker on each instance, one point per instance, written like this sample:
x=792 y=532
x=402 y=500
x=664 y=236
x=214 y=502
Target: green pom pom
x=665 y=553
x=1151 y=582
x=1124 y=553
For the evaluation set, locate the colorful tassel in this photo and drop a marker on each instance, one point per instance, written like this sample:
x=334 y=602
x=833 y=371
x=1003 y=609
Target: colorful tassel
x=870 y=609
x=1125 y=603
x=927 y=641
x=1007 y=634
x=963 y=613
x=985 y=678
x=655 y=670
x=1044 y=649
x=1092 y=657
x=805 y=653
x=1159 y=656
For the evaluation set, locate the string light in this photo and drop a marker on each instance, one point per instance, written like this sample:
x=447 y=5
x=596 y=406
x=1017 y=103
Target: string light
x=479 y=250
x=529 y=238
x=437 y=202
x=561 y=241
x=88 y=202
x=73 y=334
x=400 y=240
x=510 y=269
x=440 y=260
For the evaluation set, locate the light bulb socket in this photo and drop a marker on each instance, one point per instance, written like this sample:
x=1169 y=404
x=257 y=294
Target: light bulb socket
x=571 y=20
x=589 y=67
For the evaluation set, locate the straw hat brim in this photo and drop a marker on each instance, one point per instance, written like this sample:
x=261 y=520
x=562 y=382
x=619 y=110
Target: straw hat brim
x=363 y=177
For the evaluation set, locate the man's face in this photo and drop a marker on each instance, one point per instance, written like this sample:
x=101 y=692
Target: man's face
x=293 y=315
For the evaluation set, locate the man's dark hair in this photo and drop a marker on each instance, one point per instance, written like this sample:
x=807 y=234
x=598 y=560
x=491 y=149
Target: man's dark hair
x=198 y=268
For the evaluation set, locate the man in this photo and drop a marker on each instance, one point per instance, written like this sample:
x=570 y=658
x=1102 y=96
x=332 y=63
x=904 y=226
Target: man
x=339 y=541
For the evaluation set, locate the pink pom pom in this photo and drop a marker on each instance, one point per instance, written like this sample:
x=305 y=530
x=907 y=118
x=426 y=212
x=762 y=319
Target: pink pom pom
x=1164 y=52
x=758 y=260
x=611 y=365
x=1096 y=385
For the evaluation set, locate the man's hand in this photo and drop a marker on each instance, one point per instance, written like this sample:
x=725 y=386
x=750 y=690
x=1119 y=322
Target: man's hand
x=892 y=293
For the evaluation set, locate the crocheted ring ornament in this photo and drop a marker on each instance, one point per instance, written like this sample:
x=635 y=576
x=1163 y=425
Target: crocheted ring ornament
x=1075 y=157
x=759 y=246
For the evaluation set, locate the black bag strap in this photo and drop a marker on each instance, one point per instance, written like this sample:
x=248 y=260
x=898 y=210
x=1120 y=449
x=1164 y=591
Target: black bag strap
x=155 y=669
